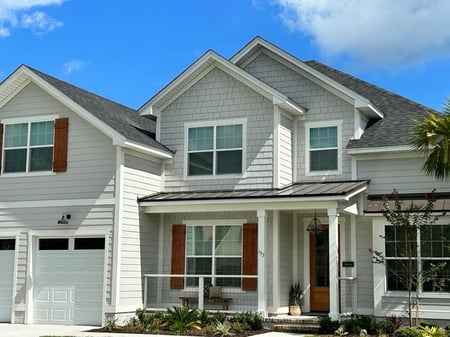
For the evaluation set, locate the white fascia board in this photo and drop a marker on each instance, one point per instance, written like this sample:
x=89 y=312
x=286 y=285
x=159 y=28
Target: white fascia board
x=359 y=100
x=368 y=109
x=13 y=85
x=148 y=107
x=147 y=150
x=240 y=204
x=288 y=106
x=83 y=113
x=382 y=149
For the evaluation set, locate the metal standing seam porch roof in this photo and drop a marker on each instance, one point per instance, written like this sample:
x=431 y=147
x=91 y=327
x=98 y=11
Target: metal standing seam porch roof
x=344 y=189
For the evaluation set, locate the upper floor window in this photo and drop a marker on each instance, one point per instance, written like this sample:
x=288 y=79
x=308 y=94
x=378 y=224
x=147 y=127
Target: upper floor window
x=28 y=147
x=215 y=149
x=36 y=145
x=323 y=146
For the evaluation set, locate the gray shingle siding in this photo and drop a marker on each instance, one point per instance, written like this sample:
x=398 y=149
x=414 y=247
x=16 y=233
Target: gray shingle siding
x=395 y=128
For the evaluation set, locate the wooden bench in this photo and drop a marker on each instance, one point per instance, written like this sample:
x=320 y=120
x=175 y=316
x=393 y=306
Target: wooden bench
x=186 y=300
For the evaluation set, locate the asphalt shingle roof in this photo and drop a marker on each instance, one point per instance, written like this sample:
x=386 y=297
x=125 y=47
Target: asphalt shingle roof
x=395 y=128
x=122 y=119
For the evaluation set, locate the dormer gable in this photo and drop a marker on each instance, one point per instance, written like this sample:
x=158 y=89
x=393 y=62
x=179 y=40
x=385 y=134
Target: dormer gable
x=259 y=46
x=209 y=61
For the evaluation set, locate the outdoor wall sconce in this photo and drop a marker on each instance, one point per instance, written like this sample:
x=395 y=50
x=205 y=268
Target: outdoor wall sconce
x=64 y=219
x=315 y=226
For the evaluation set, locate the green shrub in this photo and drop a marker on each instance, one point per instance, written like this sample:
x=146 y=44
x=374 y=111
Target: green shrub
x=406 y=331
x=222 y=329
x=395 y=320
x=218 y=316
x=386 y=328
x=254 y=320
x=182 y=319
x=110 y=323
x=358 y=322
x=327 y=325
x=432 y=331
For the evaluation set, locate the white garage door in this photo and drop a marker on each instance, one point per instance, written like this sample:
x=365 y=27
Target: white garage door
x=7 y=247
x=69 y=281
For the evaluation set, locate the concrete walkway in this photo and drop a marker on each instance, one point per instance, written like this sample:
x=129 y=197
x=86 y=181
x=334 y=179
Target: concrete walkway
x=38 y=330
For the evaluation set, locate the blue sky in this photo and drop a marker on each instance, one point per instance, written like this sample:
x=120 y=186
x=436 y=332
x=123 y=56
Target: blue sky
x=128 y=50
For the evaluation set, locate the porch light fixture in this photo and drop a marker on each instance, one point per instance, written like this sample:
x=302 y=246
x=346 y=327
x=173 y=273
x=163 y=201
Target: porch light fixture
x=315 y=226
x=64 y=219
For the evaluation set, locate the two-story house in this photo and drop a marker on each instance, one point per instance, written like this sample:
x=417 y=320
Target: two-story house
x=248 y=174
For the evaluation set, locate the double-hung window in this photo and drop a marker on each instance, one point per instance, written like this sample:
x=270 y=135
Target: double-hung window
x=215 y=149
x=28 y=147
x=418 y=251
x=214 y=250
x=323 y=146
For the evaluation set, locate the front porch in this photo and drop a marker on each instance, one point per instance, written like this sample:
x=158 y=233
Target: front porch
x=281 y=255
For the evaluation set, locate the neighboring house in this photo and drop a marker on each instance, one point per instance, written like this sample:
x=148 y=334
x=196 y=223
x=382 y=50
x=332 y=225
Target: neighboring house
x=220 y=175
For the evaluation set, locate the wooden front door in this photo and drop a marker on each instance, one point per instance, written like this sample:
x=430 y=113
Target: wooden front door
x=319 y=271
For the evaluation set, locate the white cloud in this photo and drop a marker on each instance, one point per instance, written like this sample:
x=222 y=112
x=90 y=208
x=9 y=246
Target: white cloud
x=73 y=65
x=374 y=32
x=13 y=14
x=39 y=22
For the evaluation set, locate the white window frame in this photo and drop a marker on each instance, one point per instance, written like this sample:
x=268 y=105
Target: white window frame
x=28 y=120
x=213 y=223
x=324 y=124
x=214 y=124
x=419 y=260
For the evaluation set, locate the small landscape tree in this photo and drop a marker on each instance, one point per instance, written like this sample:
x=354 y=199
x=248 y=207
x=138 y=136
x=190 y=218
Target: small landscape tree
x=407 y=224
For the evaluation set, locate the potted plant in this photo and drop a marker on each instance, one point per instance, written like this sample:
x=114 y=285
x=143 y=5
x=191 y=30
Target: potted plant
x=295 y=298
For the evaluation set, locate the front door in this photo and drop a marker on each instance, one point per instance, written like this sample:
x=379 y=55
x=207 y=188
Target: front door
x=320 y=275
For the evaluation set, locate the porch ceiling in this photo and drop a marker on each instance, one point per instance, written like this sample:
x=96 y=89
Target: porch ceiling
x=410 y=203
x=326 y=193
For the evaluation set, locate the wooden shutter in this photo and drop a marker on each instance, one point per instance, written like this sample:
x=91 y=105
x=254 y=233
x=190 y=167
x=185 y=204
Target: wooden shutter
x=1 y=145
x=60 y=145
x=178 y=255
x=249 y=255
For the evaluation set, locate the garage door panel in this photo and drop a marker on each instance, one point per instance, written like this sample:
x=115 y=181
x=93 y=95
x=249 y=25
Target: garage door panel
x=6 y=282
x=72 y=280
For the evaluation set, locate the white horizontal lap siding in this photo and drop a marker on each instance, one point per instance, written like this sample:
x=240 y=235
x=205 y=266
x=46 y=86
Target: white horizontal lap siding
x=286 y=139
x=403 y=174
x=321 y=104
x=363 y=265
x=218 y=96
x=139 y=236
x=90 y=160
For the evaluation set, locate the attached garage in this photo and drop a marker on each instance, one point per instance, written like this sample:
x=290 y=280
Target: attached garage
x=68 y=280
x=7 y=253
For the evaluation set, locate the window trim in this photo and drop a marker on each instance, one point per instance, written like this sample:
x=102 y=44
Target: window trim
x=28 y=120
x=214 y=124
x=212 y=223
x=324 y=124
x=420 y=260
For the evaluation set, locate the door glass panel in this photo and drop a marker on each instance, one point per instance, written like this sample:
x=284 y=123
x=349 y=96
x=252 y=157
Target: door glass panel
x=54 y=244
x=89 y=243
x=7 y=244
x=321 y=261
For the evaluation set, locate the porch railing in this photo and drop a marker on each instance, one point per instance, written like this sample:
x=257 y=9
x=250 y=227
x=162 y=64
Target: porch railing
x=159 y=295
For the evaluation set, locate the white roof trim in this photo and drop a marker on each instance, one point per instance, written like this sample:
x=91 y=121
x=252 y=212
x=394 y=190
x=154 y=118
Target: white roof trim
x=360 y=101
x=58 y=95
x=146 y=150
x=382 y=149
x=215 y=60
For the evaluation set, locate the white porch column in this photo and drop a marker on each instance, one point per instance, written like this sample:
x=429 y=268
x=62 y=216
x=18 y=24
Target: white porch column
x=333 y=223
x=262 y=293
